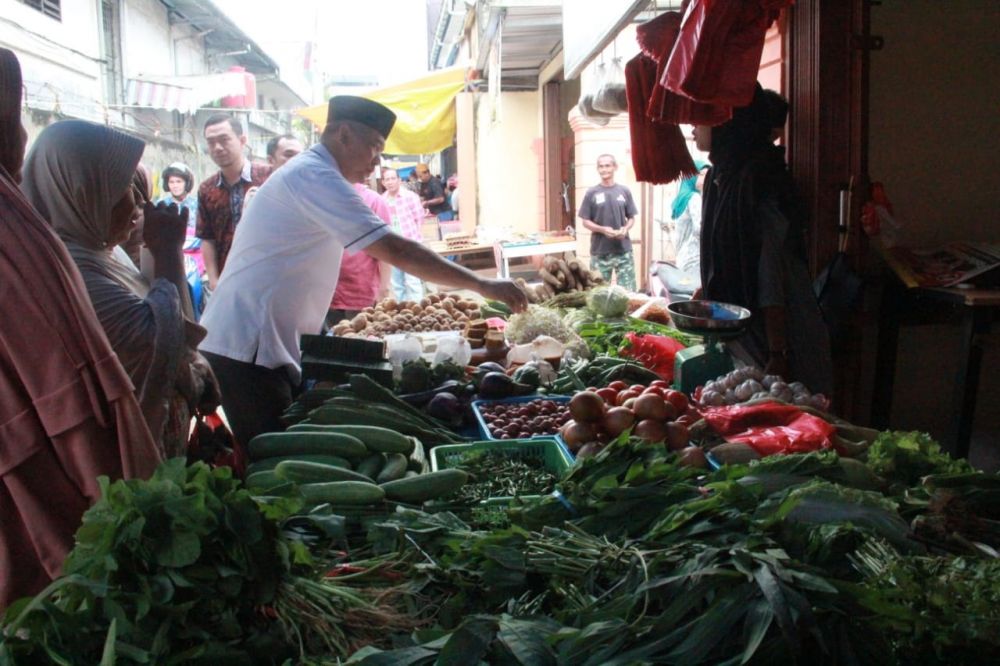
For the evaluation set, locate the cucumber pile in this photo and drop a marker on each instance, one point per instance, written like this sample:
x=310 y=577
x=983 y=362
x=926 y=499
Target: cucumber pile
x=346 y=465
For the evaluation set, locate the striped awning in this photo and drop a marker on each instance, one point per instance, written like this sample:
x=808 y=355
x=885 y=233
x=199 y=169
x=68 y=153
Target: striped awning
x=185 y=94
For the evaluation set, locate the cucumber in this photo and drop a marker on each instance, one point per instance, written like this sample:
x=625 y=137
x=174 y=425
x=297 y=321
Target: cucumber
x=395 y=468
x=371 y=465
x=419 y=489
x=350 y=493
x=374 y=437
x=263 y=480
x=270 y=463
x=284 y=444
x=310 y=472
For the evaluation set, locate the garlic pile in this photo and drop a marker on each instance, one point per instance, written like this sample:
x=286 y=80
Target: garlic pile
x=745 y=384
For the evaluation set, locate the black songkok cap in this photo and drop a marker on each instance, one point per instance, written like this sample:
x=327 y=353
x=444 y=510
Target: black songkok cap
x=361 y=110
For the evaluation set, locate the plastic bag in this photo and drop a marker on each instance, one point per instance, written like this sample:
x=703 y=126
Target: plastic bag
x=654 y=310
x=771 y=427
x=655 y=352
x=591 y=86
x=610 y=95
x=454 y=348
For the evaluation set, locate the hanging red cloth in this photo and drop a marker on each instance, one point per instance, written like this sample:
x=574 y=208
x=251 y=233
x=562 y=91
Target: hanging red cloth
x=659 y=152
x=717 y=54
x=656 y=39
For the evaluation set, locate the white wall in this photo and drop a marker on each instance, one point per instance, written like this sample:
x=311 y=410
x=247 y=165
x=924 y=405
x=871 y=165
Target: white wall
x=509 y=163
x=59 y=59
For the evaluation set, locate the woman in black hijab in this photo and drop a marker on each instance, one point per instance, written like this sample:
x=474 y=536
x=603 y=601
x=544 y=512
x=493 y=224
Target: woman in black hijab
x=753 y=245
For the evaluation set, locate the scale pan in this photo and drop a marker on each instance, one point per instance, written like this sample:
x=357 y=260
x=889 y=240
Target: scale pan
x=709 y=317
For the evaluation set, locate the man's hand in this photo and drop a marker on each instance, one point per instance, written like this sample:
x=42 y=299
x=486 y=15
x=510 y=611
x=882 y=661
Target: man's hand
x=164 y=228
x=505 y=291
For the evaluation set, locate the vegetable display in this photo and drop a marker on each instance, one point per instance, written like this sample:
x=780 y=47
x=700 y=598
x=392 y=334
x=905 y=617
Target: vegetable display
x=493 y=474
x=655 y=413
x=560 y=275
x=436 y=312
x=519 y=420
x=745 y=384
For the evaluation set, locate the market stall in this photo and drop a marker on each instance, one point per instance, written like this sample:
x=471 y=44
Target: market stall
x=562 y=504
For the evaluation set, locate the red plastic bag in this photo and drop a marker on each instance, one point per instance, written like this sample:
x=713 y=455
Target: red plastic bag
x=656 y=352
x=771 y=427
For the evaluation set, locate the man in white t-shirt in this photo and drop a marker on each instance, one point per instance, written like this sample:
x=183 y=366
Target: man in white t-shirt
x=285 y=260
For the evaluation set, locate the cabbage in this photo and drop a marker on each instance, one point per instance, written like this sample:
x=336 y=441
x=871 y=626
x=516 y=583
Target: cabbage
x=608 y=301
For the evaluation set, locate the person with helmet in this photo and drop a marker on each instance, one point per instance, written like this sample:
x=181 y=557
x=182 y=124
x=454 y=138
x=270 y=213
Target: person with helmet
x=178 y=186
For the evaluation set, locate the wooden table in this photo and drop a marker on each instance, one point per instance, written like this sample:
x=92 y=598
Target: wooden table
x=975 y=310
x=552 y=245
x=447 y=250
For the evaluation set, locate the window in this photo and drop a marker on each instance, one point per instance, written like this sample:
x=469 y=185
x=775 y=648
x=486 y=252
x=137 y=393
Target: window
x=51 y=8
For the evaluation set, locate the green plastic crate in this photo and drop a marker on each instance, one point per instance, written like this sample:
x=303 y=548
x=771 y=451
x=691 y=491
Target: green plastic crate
x=553 y=454
x=555 y=457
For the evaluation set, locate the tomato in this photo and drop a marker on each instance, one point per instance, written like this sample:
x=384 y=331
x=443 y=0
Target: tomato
x=592 y=389
x=625 y=395
x=685 y=420
x=618 y=385
x=608 y=394
x=678 y=400
x=659 y=383
x=654 y=390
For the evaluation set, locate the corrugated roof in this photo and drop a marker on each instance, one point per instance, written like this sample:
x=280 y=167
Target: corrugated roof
x=223 y=37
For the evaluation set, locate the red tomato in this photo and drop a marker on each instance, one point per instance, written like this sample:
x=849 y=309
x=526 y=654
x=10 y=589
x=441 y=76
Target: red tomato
x=625 y=395
x=638 y=388
x=655 y=390
x=609 y=395
x=678 y=400
x=592 y=389
x=685 y=420
x=659 y=383
x=618 y=385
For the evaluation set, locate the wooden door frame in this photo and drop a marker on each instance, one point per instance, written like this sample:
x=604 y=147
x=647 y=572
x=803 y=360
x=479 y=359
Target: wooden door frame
x=828 y=95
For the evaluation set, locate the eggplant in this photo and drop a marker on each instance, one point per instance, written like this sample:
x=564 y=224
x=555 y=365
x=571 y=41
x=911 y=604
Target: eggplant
x=495 y=385
x=446 y=407
x=489 y=366
x=423 y=397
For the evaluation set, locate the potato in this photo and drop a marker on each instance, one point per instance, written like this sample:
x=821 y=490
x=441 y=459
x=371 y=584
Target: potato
x=359 y=322
x=342 y=328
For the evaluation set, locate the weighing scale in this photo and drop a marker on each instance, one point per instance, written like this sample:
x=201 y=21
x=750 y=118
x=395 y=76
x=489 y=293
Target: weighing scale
x=716 y=323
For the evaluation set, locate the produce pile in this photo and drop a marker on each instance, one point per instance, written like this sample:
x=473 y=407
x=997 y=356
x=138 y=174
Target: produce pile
x=493 y=475
x=560 y=275
x=651 y=413
x=745 y=384
x=524 y=419
x=436 y=312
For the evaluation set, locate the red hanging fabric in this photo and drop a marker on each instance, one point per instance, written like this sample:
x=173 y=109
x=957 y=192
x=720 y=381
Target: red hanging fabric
x=717 y=54
x=659 y=152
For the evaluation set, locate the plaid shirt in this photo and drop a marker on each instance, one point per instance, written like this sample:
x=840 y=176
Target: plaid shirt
x=220 y=206
x=406 y=212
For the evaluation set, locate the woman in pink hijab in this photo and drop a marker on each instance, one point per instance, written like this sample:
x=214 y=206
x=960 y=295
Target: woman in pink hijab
x=68 y=411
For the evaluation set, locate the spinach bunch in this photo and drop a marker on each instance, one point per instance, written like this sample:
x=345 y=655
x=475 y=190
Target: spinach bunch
x=171 y=570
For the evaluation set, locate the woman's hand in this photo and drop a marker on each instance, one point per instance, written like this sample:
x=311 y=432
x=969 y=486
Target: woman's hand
x=164 y=227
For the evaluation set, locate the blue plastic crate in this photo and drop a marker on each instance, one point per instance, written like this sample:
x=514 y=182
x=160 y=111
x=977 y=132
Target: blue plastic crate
x=484 y=429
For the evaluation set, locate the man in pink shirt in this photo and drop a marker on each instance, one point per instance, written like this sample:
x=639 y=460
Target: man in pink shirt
x=363 y=279
x=406 y=214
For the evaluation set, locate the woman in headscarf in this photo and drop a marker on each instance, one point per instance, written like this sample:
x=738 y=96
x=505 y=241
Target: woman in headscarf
x=686 y=216
x=91 y=205
x=68 y=411
x=753 y=250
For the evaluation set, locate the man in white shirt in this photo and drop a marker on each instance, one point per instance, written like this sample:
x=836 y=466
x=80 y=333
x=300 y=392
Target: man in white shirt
x=285 y=260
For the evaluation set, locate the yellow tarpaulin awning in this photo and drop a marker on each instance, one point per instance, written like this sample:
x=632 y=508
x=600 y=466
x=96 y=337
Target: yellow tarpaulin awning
x=424 y=108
